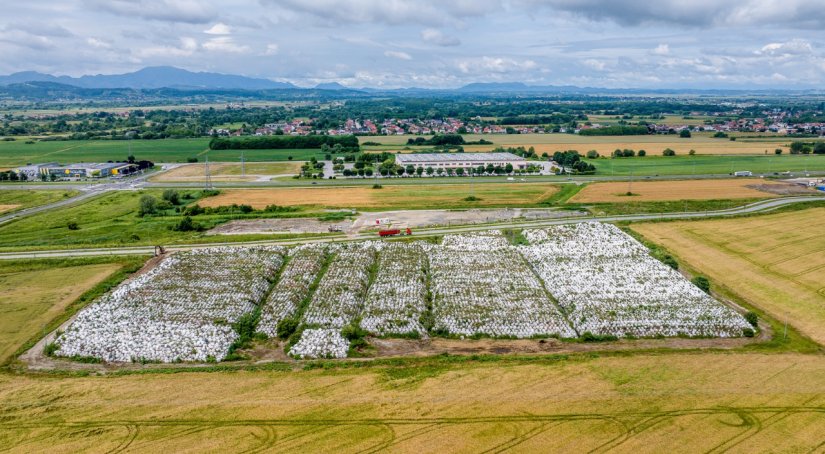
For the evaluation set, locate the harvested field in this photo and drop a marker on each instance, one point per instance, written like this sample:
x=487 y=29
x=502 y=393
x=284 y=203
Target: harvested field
x=401 y=197
x=776 y=262
x=642 y=403
x=702 y=143
x=4 y=208
x=650 y=191
x=229 y=172
x=29 y=299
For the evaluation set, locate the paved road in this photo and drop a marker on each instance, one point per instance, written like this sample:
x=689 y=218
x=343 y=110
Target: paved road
x=758 y=207
x=87 y=191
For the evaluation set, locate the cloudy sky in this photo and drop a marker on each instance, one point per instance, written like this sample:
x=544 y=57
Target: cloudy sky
x=429 y=43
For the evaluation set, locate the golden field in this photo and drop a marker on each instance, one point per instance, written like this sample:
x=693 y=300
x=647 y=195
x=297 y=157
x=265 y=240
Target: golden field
x=776 y=262
x=653 y=191
x=643 y=402
x=397 y=196
x=648 y=403
x=8 y=207
x=30 y=299
x=228 y=172
x=702 y=143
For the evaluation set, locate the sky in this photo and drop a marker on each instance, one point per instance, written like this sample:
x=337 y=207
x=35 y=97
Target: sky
x=429 y=43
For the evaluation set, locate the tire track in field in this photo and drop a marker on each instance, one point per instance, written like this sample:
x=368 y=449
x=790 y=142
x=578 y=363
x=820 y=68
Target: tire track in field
x=187 y=427
x=132 y=433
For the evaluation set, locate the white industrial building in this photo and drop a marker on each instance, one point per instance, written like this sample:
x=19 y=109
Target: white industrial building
x=464 y=160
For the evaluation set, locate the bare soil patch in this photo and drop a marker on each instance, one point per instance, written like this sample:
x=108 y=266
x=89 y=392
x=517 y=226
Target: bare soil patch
x=407 y=218
x=4 y=208
x=276 y=226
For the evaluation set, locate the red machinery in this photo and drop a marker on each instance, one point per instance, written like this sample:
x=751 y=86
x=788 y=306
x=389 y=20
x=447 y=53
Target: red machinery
x=394 y=232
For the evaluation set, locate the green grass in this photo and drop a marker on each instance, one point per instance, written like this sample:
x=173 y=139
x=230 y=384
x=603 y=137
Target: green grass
x=630 y=207
x=169 y=150
x=110 y=220
x=34 y=298
x=27 y=199
x=701 y=165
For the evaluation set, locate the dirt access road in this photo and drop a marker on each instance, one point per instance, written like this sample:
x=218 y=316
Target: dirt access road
x=399 y=219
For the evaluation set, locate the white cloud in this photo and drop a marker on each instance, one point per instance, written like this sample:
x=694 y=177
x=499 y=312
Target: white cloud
x=272 y=49
x=187 y=47
x=186 y=11
x=219 y=29
x=437 y=37
x=225 y=44
x=494 y=65
x=394 y=12
x=661 y=49
x=696 y=13
x=789 y=48
x=594 y=64
x=397 y=54
x=96 y=43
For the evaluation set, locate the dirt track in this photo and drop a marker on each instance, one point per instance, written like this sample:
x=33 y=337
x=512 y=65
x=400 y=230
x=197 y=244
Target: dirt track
x=409 y=218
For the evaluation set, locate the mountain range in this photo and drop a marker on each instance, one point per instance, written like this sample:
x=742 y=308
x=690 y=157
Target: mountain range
x=150 y=78
x=167 y=77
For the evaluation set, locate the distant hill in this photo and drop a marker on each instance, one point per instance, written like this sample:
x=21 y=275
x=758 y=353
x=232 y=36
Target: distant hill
x=331 y=86
x=150 y=78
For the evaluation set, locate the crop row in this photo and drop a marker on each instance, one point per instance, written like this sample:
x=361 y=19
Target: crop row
x=182 y=310
x=482 y=285
x=608 y=284
x=302 y=267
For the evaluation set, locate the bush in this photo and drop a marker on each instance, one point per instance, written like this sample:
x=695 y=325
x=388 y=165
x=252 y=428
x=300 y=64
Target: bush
x=669 y=152
x=172 y=196
x=587 y=336
x=702 y=282
x=592 y=154
x=72 y=225
x=752 y=318
x=356 y=335
x=748 y=332
x=471 y=198
x=191 y=159
x=186 y=225
x=670 y=261
x=685 y=134
x=51 y=349
x=642 y=153
x=147 y=205
x=286 y=328
x=377 y=186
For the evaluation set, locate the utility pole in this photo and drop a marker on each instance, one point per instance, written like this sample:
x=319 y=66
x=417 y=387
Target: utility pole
x=630 y=184
x=208 y=175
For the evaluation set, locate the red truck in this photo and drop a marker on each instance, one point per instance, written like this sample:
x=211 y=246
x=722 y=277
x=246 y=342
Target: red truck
x=394 y=232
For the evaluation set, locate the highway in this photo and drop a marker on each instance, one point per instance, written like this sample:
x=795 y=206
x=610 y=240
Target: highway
x=753 y=208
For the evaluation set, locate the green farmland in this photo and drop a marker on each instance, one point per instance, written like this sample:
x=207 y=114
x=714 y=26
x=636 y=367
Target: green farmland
x=706 y=165
x=169 y=150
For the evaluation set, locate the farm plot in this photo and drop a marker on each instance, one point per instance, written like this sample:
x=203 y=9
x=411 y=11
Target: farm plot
x=608 y=284
x=339 y=298
x=481 y=285
x=655 y=191
x=396 y=300
x=182 y=310
x=303 y=265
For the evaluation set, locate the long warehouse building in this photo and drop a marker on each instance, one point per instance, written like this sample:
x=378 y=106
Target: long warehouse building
x=464 y=160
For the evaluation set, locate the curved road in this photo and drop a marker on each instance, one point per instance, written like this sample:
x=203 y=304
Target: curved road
x=757 y=207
